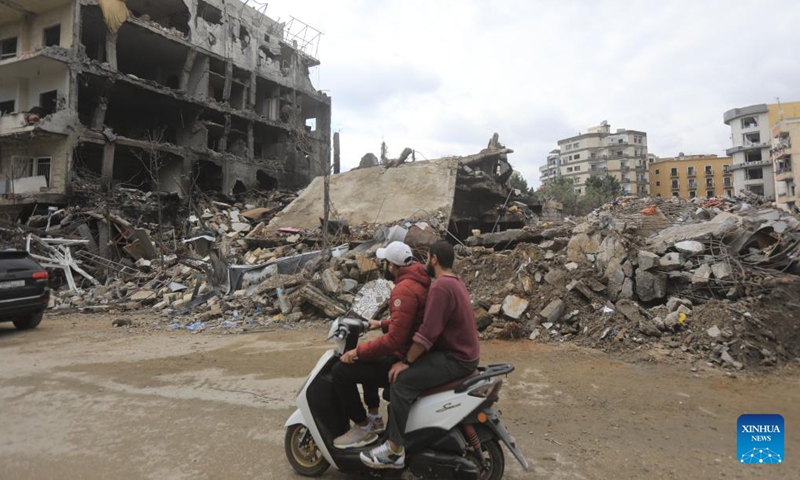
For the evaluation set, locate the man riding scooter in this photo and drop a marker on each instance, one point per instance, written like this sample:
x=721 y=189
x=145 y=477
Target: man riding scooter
x=446 y=347
x=370 y=362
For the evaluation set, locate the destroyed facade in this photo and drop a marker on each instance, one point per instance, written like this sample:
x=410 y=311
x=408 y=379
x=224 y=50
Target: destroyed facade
x=160 y=95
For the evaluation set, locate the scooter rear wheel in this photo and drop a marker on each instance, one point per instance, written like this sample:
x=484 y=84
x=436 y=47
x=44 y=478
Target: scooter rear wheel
x=302 y=452
x=494 y=463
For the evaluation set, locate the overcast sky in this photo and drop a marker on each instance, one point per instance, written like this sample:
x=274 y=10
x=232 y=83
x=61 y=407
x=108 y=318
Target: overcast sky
x=442 y=76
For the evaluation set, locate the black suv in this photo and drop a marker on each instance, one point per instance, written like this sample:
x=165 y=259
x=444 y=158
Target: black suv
x=24 y=293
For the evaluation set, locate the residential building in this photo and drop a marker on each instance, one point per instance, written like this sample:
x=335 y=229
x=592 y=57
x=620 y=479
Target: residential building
x=621 y=154
x=552 y=169
x=690 y=176
x=215 y=90
x=751 y=134
x=786 y=157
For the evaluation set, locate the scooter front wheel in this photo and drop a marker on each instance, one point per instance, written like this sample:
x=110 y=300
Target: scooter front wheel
x=302 y=452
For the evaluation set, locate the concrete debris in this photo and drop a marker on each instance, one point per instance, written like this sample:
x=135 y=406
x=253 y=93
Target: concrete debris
x=647 y=260
x=513 y=307
x=690 y=247
x=553 y=311
x=714 y=332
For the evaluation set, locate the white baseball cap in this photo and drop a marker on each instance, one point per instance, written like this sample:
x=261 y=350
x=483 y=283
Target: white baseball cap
x=396 y=252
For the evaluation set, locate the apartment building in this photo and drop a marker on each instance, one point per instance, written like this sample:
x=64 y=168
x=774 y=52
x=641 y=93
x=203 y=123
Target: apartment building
x=751 y=136
x=552 y=169
x=621 y=154
x=786 y=155
x=690 y=176
x=216 y=90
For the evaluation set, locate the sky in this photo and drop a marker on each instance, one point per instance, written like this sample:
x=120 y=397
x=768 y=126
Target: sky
x=442 y=76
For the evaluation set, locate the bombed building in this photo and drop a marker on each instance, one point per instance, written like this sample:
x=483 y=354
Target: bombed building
x=165 y=92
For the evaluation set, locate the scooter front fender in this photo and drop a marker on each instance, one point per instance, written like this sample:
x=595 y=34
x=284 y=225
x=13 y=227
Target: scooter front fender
x=297 y=418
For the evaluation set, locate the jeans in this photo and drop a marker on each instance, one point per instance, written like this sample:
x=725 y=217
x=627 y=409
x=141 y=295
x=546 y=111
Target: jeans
x=428 y=371
x=372 y=375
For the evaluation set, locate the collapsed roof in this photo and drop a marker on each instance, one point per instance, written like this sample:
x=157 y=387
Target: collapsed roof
x=471 y=192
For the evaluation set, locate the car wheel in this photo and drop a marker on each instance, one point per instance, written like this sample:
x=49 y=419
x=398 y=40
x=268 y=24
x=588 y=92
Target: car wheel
x=28 y=323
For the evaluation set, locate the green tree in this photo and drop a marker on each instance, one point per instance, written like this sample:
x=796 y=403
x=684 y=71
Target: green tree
x=599 y=191
x=561 y=190
x=518 y=181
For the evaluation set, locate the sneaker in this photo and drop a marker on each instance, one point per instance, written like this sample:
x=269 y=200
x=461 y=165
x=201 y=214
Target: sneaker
x=383 y=457
x=357 y=436
x=376 y=424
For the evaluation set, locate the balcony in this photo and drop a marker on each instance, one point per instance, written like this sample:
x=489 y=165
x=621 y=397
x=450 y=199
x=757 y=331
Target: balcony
x=624 y=169
x=784 y=174
x=691 y=173
x=673 y=175
x=784 y=198
x=746 y=147
x=763 y=163
x=711 y=184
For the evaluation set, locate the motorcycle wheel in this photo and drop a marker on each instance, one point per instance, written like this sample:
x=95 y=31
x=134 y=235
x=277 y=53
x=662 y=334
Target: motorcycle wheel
x=493 y=463
x=302 y=452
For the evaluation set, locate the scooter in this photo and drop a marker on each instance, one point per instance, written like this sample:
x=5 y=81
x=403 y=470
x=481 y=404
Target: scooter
x=452 y=430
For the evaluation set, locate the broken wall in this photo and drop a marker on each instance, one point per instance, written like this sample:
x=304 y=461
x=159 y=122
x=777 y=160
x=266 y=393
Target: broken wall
x=30 y=33
x=377 y=195
x=58 y=150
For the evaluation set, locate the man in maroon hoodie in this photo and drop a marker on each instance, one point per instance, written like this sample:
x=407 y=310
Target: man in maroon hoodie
x=446 y=347
x=369 y=364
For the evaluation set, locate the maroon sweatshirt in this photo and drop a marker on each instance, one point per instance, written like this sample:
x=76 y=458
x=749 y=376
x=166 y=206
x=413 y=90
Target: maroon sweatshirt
x=449 y=323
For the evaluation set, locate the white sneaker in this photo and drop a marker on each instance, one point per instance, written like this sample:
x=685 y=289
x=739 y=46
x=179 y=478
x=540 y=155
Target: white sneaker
x=383 y=457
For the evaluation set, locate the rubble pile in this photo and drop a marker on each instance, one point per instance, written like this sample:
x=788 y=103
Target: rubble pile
x=643 y=274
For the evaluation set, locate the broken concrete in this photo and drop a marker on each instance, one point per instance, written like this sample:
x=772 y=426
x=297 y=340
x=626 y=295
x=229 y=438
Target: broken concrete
x=513 y=307
x=553 y=311
x=650 y=286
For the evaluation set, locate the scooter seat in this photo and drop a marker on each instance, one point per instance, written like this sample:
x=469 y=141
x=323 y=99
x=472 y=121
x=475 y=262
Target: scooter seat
x=447 y=386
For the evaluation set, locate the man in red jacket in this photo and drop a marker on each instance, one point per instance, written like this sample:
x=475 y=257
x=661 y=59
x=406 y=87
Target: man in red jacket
x=445 y=348
x=369 y=364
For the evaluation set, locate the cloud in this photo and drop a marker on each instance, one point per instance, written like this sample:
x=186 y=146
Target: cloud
x=442 y=76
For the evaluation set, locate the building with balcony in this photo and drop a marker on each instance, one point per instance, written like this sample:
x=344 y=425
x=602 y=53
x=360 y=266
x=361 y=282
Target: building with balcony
x=215 y=90
x=551 y=170
x=751 y=139
x=621 y=154
x=690 y=176
x=786 y=160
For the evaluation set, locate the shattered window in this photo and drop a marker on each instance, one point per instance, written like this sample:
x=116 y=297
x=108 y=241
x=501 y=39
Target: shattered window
x=52 y=36
x=8 y=48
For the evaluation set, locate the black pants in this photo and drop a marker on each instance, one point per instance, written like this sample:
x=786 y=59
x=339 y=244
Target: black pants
x=428 y=371
x=372 y=375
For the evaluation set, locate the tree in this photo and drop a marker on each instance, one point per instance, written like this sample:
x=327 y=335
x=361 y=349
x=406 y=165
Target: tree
x=599 y=191
x=561 y=190
x=518 y=181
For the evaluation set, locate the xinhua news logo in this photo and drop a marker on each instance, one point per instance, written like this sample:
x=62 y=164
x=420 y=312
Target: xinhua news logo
x=760 y=439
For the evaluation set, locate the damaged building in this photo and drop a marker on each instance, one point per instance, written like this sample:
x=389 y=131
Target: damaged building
x=464 y=193
x=145 y=93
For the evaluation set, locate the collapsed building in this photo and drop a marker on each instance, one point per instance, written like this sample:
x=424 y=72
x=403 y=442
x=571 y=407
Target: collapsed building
x=459 y=195
x=162 y=95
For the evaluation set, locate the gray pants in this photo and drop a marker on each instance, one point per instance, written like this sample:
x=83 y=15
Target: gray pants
x=428 y=371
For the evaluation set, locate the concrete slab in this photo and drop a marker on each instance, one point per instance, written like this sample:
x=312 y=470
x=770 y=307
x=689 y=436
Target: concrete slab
x=377 y=195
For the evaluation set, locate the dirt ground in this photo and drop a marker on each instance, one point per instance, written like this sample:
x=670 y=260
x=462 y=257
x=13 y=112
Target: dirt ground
x=83 y=399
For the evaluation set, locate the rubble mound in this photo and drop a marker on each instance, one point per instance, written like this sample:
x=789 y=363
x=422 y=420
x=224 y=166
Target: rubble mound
x=711 y=281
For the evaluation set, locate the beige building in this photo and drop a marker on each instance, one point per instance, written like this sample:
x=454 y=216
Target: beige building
x=751 y=139
x=786 y=154
x=690 y=176
x=621 y=154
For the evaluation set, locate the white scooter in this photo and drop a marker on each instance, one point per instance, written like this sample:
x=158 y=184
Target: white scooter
x=452 y=431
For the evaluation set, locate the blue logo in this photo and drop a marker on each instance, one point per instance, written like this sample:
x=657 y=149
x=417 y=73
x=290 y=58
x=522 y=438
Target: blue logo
x=760 y=439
